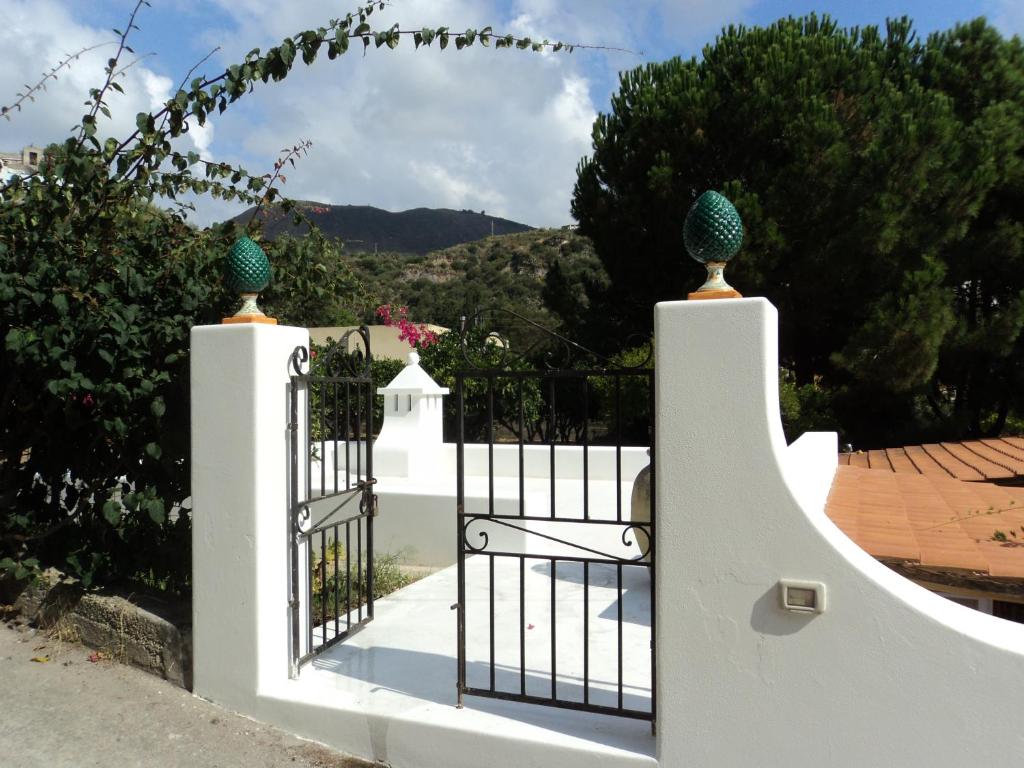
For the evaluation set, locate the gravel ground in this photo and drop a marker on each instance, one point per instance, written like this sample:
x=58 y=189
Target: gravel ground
x=62 y=707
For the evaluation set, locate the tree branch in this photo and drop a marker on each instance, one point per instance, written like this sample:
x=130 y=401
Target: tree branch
x=51 y=75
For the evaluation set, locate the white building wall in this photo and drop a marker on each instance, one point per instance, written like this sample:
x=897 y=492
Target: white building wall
x=888 y=675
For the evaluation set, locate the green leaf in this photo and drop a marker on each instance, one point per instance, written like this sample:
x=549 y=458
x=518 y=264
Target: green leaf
x=153 y=450
x=112 y=511
x=157 y=407
x=60 y=303
x=155 y=509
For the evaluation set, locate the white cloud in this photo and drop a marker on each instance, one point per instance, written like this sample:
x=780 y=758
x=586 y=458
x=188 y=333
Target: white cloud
x=39 y=33
x=481 y=128
x=484 y=129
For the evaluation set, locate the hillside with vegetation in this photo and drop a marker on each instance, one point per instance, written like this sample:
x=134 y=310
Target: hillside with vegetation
x=363 y=228
x=541 y=273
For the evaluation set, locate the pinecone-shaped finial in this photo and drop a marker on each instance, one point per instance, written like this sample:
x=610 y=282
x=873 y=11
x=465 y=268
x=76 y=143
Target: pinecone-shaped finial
x=713 y=233
x=247 y=271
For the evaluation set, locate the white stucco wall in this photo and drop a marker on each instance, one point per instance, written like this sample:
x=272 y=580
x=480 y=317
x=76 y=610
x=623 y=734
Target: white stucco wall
x=239 y=380
x=888 y=675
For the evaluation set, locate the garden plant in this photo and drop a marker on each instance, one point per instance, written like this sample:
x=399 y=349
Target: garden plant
x=101 y=278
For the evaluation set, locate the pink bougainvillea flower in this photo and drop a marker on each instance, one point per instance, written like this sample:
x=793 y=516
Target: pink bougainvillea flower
x=88 y=401
x=418 y=336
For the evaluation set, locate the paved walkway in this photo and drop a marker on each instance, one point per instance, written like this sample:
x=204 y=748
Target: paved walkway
x=68 y=712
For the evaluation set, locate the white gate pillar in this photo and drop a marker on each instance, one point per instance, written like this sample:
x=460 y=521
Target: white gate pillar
x=240 y=472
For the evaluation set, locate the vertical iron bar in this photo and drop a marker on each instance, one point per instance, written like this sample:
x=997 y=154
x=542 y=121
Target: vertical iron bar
x=554 y=651
x=359 y=435
x=309 y=593
x=323 y=584
x=522 y=469
x=490 y=444
x=522 y=626
x=323 y=439
x=369 y=553
x=618 y=569
x=370 y=498
x=586 y=632
x=348 y=575
x=334 y=433
x=293 y=527
x=337 y=585
x=309 y=439
x=369 y=406
x=618 y=448
x=460 y=527
x=348 y=430
x=359 y=564
x=586 y=447
x=490 y=567
x=551 y=440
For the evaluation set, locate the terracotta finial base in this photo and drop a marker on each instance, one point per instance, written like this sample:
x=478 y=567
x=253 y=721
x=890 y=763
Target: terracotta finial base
x=249 y=319
x=250 y=312
x=728 y=293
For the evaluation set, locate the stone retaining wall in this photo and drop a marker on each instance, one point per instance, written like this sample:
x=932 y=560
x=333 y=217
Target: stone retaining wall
x=149 y=631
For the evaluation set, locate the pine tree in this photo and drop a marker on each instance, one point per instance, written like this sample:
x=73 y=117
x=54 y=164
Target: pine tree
x=871 y=171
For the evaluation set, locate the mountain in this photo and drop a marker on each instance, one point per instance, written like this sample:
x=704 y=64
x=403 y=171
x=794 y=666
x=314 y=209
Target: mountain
x=363 y=228
x=541 y=273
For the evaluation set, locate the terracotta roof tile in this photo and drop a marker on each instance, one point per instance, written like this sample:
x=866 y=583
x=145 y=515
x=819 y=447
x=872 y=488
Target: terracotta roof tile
x=899 y=461
x=932 y=518
x=993 y=459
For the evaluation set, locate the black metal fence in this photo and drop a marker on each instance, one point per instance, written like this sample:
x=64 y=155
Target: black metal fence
x=332 y=504
x=556 y=583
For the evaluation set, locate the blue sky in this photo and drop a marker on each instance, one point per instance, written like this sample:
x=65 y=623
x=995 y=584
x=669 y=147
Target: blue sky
x=481 y=129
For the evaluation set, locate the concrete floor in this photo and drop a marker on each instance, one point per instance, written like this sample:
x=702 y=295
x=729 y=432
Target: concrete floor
x=399 y=673
x=68 y=712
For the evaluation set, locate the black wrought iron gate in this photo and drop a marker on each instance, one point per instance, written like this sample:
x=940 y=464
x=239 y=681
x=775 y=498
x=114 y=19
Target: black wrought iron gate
x=332 y=504
x=556 y=587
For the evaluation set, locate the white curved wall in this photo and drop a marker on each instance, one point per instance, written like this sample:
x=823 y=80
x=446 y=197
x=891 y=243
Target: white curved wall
x=888 y=675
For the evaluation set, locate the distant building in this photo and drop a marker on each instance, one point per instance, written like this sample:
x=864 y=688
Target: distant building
x=19 y=163
x=384 y=341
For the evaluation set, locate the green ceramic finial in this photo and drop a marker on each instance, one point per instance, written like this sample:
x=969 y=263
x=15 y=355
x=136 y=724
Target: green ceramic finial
x=247 y=269
x=713 y=233
x=713 y=230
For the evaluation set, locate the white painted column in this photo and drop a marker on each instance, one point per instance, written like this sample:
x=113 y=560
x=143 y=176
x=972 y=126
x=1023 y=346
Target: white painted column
x=888 y=675
x=240 y=470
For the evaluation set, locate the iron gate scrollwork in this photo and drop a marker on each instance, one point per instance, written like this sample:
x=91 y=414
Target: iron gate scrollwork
x=331 y=501
x=556 y=587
